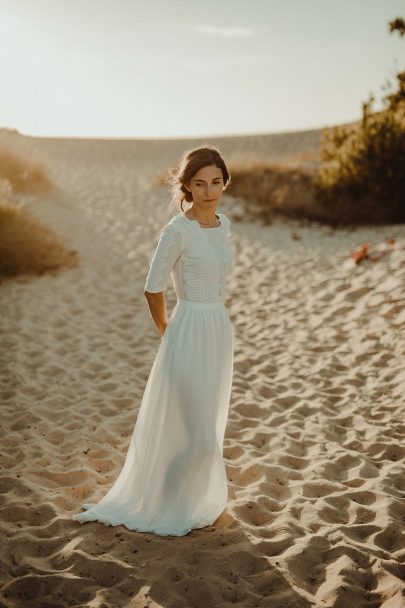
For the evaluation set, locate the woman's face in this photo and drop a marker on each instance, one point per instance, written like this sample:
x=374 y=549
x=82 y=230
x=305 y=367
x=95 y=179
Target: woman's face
x=206 y=186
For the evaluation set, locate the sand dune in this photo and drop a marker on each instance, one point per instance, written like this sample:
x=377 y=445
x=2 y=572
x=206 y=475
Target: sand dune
x=314 y=447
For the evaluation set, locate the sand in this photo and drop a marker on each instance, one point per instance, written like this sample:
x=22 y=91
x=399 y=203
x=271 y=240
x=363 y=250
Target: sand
x=314 y=447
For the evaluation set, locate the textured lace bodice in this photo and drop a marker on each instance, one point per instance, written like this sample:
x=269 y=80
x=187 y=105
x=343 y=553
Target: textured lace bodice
x=197 y=259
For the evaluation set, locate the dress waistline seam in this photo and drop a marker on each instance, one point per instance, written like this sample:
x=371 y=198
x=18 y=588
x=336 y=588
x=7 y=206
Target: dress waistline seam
x=193 y=304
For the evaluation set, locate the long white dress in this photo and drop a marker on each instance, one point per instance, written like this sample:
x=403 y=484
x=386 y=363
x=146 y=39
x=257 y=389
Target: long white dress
x=174 y=479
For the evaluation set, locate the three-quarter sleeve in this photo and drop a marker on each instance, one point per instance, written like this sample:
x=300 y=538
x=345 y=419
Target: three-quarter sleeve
x=167 y=251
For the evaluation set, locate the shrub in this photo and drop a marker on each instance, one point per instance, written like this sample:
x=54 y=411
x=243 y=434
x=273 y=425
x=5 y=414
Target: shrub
x=272 y=189
x=361 y=178
x=28 y=247
x=23 y=176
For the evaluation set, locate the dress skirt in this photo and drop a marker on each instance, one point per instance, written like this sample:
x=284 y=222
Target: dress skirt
x=174 y=478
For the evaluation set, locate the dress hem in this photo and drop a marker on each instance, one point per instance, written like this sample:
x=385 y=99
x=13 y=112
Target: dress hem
x=89 y=517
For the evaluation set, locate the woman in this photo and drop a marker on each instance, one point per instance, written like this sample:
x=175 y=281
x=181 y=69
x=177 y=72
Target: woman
x=174 y=478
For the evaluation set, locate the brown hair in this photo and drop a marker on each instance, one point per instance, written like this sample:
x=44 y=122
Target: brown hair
x=191 y=162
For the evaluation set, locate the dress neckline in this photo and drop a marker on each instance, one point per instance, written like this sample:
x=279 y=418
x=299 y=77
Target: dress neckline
x=219 y=215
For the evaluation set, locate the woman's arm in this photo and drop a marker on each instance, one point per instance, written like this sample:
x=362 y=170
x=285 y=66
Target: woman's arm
x=167 y=251
x=157 y=307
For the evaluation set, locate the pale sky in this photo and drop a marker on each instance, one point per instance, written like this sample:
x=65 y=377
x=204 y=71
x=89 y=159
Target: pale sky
x=160 y=68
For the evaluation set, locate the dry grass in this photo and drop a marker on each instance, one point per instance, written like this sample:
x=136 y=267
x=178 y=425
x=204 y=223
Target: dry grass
x=26 y=247
x=24 y=177
x=269 y=189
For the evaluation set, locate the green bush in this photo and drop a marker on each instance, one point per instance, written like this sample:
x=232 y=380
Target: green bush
x=361 y=178
x=362 y=171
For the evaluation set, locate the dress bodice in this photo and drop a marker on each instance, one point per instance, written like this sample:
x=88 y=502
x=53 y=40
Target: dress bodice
x=197 y=259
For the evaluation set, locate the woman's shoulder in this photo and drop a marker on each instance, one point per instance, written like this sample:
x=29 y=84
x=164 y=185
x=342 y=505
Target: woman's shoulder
x=181 y=222
x=172 y=229
x=172 y=223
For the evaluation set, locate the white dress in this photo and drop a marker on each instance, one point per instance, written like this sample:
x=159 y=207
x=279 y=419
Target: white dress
x=174 y=477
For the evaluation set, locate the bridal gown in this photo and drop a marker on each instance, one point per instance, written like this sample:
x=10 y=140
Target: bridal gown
x=174 y=478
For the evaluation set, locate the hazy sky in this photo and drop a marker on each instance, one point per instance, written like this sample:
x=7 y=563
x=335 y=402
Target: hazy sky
x=160 y=68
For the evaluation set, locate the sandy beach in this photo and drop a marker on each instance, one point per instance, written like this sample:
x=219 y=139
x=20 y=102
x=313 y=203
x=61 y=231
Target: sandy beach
x=314 y=447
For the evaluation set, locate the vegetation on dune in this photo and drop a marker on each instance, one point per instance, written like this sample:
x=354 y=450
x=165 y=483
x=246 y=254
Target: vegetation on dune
x=360 y=179
x=271 y=189
x=23 y=177
x=26 y=247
